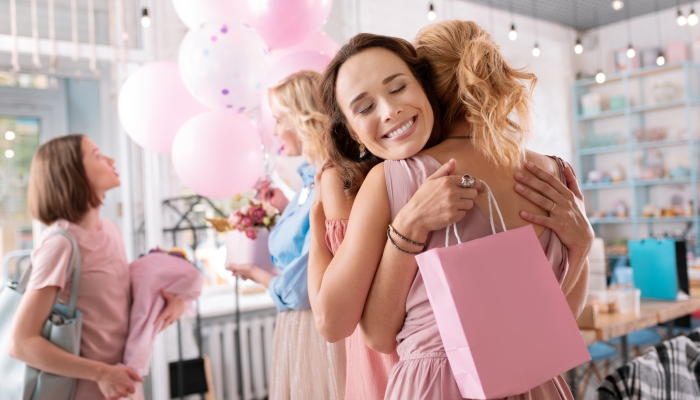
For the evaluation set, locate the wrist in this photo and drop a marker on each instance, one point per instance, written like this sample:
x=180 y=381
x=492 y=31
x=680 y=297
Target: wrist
x=100 y=371
x=409 y=227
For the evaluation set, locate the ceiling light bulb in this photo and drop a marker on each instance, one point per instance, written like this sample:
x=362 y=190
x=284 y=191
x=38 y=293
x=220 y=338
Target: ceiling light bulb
x=600 y=77
x=512 y=35
x=660 y=60
x=536 y=50
x=431 y=13
x=630 y=51
x=9 y=135
x=9 y=153
x=145 y=19
x=617 y=5
x=692 y=18
x=681 y=18
x=578 y=48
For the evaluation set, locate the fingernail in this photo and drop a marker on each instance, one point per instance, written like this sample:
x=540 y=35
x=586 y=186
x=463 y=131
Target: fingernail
x=519 y=187
x=523 y=214
x=519 y=175
x=530 y=165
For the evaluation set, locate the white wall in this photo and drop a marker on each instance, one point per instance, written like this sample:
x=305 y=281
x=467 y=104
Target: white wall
x=554 y=67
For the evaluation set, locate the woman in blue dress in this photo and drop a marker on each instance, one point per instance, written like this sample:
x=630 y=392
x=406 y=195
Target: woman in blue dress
x=304 y=365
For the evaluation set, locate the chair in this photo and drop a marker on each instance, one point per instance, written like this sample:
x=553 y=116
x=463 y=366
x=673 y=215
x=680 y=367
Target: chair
x=599 y=351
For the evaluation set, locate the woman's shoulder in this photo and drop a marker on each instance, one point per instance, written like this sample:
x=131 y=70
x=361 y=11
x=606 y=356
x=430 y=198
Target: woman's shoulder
x=545 y=162
x=336 y=204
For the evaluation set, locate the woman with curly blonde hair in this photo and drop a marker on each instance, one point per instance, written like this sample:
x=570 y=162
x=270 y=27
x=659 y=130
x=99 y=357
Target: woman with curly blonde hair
x=304 y=365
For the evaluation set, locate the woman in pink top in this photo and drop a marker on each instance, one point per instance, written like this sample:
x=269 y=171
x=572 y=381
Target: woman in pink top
x=68 y=180
x=346 y=281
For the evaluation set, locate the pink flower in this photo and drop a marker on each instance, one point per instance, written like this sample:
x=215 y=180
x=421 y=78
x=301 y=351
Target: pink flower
x=250 y=232
x=234 y=218
x=239 y=228
x=244 y=210
x=246 y=221
x=258 y=214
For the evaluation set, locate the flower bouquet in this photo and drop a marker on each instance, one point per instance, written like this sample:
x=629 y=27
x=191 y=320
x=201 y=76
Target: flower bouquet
x=247 y=230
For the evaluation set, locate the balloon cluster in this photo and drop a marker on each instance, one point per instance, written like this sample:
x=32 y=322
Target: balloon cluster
x=202 y=108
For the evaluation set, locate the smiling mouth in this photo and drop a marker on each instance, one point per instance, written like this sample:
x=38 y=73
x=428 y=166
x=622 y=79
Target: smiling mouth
x=398 y=131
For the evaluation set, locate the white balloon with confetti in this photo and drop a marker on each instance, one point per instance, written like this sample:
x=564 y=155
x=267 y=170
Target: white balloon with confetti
x=223 y=64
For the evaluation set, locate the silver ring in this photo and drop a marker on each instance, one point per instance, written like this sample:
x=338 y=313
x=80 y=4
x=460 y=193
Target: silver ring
x=467 y=181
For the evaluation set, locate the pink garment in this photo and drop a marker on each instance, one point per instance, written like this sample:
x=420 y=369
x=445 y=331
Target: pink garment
x=104 y=294
x=367 y=371
x=150 y=274
x=423 y=371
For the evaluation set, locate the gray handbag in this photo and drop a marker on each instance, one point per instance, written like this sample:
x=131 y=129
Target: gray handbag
x=63 y=328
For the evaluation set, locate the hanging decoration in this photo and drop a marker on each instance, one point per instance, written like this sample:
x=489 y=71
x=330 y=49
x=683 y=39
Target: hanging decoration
x=91 y=37
x=13 y=32
x=680 y=19
x=36 y=61
x=53 y=54
x=145 y=19
x=692 y=17
x=660 y=59
x=578 y=48
x=536 y=49
x=630 y=49
x=431 y=13
x=600 y=75
x=617 y=5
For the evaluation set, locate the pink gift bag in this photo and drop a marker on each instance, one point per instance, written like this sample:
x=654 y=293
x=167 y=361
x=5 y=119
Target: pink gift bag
x=503 y=319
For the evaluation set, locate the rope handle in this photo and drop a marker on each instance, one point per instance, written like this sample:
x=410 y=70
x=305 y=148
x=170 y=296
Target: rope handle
x=491 y=199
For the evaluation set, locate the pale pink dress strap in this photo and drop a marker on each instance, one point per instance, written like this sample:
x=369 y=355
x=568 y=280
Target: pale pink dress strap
x=367 y=371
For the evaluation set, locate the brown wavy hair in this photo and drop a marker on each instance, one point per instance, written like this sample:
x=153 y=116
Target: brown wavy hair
x=341 y=144
x=474 y=81
x=58 y=185
x=297 y=95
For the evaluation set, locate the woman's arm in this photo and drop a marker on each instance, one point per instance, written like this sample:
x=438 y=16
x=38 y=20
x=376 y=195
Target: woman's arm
x=330 y=203
x=31 y=348
x=568 y=220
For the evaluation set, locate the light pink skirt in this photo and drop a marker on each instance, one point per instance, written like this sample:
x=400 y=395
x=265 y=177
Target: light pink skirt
x=304 y=365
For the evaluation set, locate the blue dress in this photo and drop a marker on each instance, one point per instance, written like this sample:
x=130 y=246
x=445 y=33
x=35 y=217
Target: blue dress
x=289 y=247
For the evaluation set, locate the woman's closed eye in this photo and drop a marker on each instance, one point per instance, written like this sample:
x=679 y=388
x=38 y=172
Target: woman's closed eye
x=399 y=89
x=365 y=110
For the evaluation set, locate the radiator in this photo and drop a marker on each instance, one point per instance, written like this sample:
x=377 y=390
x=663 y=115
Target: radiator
x=219 y=343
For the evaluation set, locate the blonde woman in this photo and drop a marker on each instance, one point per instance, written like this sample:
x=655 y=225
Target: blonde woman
x=304 y=365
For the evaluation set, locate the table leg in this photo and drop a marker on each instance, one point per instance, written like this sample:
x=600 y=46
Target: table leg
x=572 y=382
x=624 y=349
x=669 y=327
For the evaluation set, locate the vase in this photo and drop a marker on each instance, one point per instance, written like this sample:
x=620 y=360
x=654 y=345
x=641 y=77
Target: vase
x=240 y=249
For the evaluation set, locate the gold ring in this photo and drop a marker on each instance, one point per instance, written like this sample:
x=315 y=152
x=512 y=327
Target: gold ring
x=552 y=209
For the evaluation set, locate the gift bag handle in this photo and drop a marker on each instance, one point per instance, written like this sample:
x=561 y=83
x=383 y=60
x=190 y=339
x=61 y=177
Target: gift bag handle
x=491 y=199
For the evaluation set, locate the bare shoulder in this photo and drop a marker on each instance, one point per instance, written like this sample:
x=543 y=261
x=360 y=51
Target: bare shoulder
x=373 y=186
x=336 y=205
x=542 y=161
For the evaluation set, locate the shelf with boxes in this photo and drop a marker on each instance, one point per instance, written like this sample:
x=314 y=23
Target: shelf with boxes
x=637 y=141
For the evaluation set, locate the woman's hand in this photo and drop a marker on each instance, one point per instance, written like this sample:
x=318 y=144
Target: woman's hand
x=438 y=203
x=252 y=272
x=274 y=196
x=567 y=217
x=174 y=308
x=117 y=381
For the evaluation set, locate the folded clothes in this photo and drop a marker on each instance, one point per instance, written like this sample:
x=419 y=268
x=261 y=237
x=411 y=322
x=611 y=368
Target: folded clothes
x=149 y=274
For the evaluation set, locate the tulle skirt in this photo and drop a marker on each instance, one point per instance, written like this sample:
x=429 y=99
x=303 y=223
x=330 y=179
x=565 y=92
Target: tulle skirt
x=304 y=365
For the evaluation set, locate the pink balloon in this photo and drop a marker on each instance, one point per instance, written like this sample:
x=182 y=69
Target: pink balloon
x=218 y=154
x=284 y=23
x=319 y=42
x=288 y=65
x=153 y=105
x=193 y=13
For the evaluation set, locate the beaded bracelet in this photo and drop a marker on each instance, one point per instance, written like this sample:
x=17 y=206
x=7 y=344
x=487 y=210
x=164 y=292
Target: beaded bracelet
x=388 y=235
x=405 y=239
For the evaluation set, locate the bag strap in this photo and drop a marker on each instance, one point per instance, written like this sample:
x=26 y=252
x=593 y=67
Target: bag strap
x=74 y=265
x=491 y=199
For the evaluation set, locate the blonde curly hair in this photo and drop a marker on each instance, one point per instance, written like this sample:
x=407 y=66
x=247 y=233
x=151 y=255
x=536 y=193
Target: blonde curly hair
x=473 y=81
x=296 y=94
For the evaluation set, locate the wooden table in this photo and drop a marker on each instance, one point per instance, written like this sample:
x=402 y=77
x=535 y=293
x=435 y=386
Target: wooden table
x=589 y=336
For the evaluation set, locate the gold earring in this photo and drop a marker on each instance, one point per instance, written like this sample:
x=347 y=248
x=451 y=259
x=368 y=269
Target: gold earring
x=363 y=151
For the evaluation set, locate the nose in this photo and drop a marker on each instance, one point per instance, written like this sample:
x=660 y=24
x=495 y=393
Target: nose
x=391 y=111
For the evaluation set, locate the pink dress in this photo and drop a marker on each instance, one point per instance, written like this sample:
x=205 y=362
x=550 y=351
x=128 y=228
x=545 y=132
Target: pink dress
x=104 y=295
x=367 y=371
x=423 y=372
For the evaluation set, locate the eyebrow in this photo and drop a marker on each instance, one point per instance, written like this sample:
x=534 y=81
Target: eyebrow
x=384 y=82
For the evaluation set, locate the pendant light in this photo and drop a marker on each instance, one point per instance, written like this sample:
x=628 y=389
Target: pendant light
x=145 y=19
x=660 y=59
x=431 y=13
x=680 y=18
x=536 y=49
x=617 y=5
x=600 y=76
x=692 y=17
x=630 y=49
x=513 y=34
x=578 y=48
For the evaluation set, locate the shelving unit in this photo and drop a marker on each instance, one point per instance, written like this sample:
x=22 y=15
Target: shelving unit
x=638 y=105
